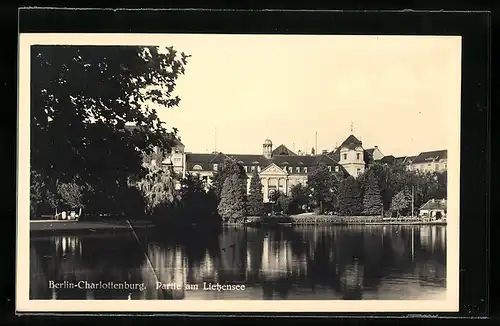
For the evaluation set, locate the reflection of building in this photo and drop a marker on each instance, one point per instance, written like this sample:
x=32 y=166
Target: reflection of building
x=434 y=208
x=68 y=245
x=232 y=257
x=276 y=258
x=425 y=237
x=429 y=237
x=170 y=267
x=351 y=279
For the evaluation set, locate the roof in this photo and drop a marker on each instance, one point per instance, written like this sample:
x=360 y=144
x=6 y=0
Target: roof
x=268 y=142
x=389 y=159
x=435 y=204
x=351 y=142
x=249 y=159
x=282 y=150
x=428 y=157
x=205 y=160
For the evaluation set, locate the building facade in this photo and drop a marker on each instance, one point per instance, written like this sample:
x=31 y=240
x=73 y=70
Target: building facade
x=279 y=168
x=434 y=161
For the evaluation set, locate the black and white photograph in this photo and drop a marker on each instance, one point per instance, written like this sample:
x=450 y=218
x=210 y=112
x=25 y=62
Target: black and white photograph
x=276 y=172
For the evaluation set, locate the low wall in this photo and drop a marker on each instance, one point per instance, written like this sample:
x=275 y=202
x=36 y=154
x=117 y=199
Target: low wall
x=329 y=219
x=353 y=220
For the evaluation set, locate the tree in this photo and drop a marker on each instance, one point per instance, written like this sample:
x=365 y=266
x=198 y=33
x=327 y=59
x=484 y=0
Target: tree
x=349 y=197
x=229 y=167
x=81 y=99
x=232 y=203
x=299 y=197
x=197 y=204
x=158 y=190
x=71 y=194
x=400 y=201
x=255 y=205
x=372 y=202
x=283 y=204
x=36 y=193
x=323 y=186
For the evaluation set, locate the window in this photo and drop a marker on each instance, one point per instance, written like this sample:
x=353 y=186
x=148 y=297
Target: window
x=337 y=168
x=252 y=168
x=215 y=167
x=330 y=168
x=258 y=168
x=437 y=167
x=359 y=171
x=298 y=169
x=445 y=166
x=345 y=156
x=246 y=168
x=197 y=167
x=305 y=170
x=290 y=169
x=358 y=156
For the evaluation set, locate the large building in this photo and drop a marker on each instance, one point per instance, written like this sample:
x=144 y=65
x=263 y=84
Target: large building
x=279 y=168
x=434 y=161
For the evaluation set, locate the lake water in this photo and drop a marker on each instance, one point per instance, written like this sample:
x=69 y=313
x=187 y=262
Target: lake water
x=295 y=263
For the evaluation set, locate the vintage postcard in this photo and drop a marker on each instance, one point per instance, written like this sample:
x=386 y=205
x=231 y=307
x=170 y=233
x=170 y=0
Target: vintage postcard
x=235 y=173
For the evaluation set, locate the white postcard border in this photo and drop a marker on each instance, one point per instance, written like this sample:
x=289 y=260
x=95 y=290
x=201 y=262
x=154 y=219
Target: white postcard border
x=24 y=304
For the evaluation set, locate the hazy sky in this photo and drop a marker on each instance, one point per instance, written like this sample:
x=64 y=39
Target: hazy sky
x=400 y=92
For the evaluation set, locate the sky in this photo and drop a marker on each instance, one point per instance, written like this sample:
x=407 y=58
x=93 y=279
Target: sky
x=400 y=93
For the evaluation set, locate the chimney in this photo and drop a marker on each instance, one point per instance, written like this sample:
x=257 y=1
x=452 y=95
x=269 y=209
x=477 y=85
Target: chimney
x=376 y=146
x=324 y=152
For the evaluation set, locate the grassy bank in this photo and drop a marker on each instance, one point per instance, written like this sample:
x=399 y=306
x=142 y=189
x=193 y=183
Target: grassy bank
x=85 y=226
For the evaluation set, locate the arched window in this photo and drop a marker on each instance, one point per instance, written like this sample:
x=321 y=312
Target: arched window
x=197 y=167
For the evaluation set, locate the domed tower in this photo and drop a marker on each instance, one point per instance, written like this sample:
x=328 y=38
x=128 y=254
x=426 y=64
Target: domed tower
x=267 y=148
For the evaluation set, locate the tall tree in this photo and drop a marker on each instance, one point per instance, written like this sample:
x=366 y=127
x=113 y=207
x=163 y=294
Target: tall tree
x=400 y=201
x=232 y=203
x=255 y=205
x=81 y=99
x=229 y=167
x=299 y=197
x=195 y=200
x=158 y=190
x=349 y=197
x=323 y=186
x=283 y=204
x=372 y=202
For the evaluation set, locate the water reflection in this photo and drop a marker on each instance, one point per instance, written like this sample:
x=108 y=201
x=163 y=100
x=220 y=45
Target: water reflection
x=331 y=262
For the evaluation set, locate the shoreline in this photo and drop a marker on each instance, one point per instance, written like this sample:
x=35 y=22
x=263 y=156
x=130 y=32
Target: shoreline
x=312 y=219
x=54 y=227
x=38 y=226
